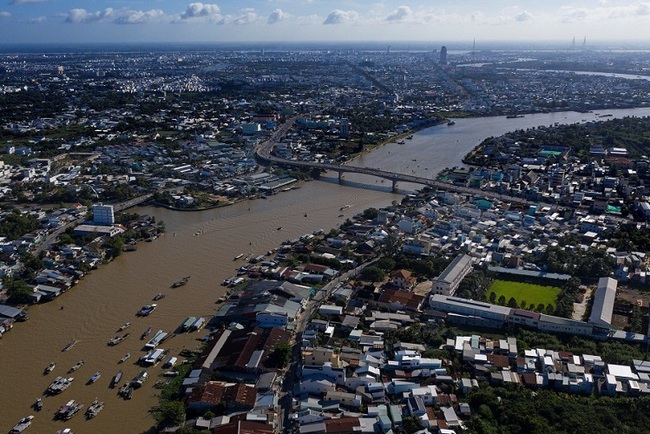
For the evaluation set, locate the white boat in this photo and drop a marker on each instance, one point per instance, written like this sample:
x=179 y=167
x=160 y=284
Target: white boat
x=117 y=378
x=241 y=255
x=59 y=385
x=117 y=339
x=22 y=424
x=94 y=409
x=125 y=358
x=76 y=366
x=124 y=326
x=156 y=340
x=49 y=368
x=147 y=309
x=68 y=410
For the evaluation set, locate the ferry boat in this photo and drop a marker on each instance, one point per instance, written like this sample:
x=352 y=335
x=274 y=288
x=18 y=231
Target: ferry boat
x=69 y=345
x=49 y=368
x=94 y=409
x=117 y=339
x=125 y=358
x=69 y=410
x=147 y=309
x=59 y=385
x=76 y=366
x=181 y=282
x=94 y=377
x=22 y=425
x=145 y=334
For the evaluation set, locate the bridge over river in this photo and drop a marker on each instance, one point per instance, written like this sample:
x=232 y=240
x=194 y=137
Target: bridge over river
x=264 y=149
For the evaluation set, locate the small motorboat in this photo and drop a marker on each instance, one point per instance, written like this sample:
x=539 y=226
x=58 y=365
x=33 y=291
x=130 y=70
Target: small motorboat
x=147 y=309
x=158 y=296
x=94 y=377
x=117 y=339
x=117 y=378
x=145 y=334
x=38 y=405
x=181 y=282
x=49 y=368
x=124 y=326
x=76 y=366
x=22 y=424
x=94 y=409
x=125 y=358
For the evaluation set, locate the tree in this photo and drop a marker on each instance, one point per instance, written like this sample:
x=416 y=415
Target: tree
x=386 y=264
x=541 y=307
x=502 y=300
x=523 y=304
x=370 y=213
x=373 y=274
x=280 y=355
x=17 y=290
x=550 y=310
x=493 y=297
x=171 y=412
x=512 y=302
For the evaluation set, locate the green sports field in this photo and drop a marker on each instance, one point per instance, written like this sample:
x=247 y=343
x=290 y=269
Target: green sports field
x=528 y=292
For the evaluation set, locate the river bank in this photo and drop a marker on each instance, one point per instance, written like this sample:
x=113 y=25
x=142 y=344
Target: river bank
x=111 y=295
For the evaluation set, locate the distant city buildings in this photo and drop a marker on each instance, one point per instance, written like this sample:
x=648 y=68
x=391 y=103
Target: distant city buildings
x=443 y=55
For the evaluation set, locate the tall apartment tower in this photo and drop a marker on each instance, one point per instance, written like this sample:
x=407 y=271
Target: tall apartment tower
x=344 y=128
x=443 y=55
x=103 y=215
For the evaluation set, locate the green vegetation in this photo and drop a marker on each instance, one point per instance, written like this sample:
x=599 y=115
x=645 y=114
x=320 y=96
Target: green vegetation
x=15 y=225
x=517 y=410
x=527 y=295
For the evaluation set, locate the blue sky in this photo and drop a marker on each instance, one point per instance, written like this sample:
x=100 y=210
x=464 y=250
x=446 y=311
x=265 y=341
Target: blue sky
x=29 y=21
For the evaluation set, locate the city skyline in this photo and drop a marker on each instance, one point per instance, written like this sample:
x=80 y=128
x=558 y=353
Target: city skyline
x=101 y=21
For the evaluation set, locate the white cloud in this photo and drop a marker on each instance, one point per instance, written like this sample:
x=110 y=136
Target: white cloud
x=247 y=16
x=400 y=15
x=199 y=12
x=338 y=16
x=276 y=16
x=37 y=20
x=605 y=12
x=5 y=14
x=524 y=16
x=139 y=17
x=79 y=15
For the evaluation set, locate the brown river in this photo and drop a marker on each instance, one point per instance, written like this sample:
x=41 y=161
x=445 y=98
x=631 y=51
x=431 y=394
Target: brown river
x=202 y=245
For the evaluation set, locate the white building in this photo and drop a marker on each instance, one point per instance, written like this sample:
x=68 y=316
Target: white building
x=447 y=283
x=601 y=312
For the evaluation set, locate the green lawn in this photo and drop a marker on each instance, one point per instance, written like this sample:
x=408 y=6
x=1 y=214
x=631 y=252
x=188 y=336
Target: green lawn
x=528 y=292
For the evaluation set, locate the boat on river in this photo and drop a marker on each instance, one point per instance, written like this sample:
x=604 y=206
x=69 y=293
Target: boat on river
x=181 y=282
x=22 y=425
x=38 y=405
x=147 y=309
x=59 y=385
x=94 y=409
x=145 y=334
x=158 y=296
x=241 y=255
x=49 y=368
x=68 y=410
x=124 y=326
x=125 y=358
x=117 y=339
x=69 y=345
x=156 y=339
x=94 y=377
x=117 y=378
x=76 y=366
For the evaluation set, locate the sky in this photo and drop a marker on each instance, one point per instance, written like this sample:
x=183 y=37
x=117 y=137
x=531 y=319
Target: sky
x=142 y=21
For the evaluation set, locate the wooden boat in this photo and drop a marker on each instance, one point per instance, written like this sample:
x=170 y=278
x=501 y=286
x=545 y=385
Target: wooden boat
x=94 y=377
x=69 y=345
x=181 y=282
x=158 y=296
x=147 y=309
x=117 y=339
x=69 y=410
x=124 y=326
x=94 y=409
x=22 y=425
x=117 y=378
x=49 y=368
x=145 y=334
x=38 y=405
x=76 y=366
x=125 y=358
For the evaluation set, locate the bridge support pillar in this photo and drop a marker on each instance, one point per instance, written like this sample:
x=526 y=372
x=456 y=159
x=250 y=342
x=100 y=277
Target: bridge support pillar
x=394 y=186
x=340 y=177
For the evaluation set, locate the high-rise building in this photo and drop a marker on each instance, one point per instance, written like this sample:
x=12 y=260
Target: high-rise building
x=103 y=215
x=344 y=127
x=443 y=55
